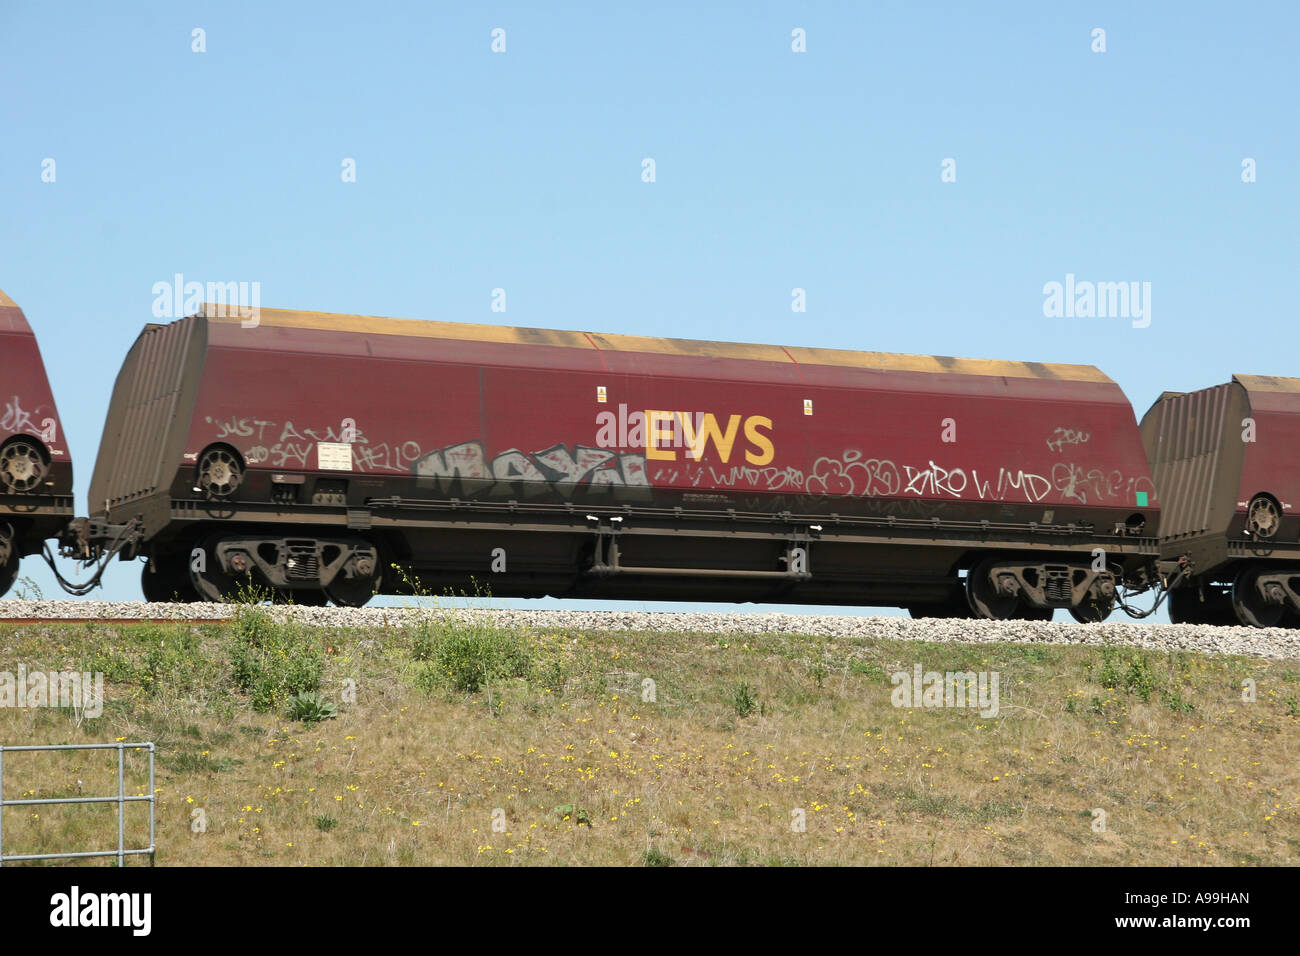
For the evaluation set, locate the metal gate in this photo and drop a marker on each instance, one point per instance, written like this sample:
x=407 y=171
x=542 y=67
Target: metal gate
x=121 y=799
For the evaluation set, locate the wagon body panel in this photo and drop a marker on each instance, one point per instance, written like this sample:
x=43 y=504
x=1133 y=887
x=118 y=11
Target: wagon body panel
x=357 y=421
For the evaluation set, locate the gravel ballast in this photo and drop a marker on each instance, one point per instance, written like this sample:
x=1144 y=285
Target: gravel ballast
x=1259 y=642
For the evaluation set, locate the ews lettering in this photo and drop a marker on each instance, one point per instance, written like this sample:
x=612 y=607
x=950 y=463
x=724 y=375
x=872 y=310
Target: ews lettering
x=694 y=432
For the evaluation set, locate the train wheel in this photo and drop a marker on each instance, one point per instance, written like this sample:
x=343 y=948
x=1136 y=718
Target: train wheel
x=984 y=600
x=209 y=581
x=170 y=582
x=956 y=606
x=1092 y=612
x=8 y=572
x=353 y=591
x=1250 y=606
x=1186 y=607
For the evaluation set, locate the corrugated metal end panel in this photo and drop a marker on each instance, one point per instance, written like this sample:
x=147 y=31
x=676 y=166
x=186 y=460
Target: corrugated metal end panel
x=1185 y=439
x=145 y=419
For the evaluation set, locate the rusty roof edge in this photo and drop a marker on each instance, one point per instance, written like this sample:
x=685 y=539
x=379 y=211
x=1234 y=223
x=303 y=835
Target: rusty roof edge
x=1267 y=383
x=565 y=338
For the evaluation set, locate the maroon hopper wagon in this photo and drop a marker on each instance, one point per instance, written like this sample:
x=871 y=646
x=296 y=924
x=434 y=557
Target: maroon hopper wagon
x=314 y=452
x=1227 y=461
x=35 y=464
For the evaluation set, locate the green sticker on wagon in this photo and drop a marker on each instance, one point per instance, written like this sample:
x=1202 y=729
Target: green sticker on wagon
x=1142 y=499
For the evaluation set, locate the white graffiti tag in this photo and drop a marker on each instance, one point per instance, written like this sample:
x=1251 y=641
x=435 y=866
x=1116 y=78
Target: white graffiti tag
x=1066 y=436
x=15 y=419
x=851 y=474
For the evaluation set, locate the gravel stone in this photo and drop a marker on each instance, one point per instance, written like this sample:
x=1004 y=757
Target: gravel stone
x=1280 y=643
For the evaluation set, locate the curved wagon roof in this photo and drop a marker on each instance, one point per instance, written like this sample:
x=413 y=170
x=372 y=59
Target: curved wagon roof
x=605 y=344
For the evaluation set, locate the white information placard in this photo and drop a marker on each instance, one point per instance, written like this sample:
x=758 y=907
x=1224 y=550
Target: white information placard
x=333 y=456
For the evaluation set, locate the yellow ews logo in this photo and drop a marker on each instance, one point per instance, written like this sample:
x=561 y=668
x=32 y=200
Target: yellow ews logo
x=694 y=431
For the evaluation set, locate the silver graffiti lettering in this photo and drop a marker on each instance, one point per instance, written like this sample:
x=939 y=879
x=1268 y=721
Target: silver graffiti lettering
x=1066 y=436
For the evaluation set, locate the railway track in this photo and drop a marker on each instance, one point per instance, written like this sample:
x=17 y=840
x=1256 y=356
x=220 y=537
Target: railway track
x=1277 y=643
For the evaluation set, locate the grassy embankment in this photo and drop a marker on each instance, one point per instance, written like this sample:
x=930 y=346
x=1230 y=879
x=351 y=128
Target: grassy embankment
x=462 y=744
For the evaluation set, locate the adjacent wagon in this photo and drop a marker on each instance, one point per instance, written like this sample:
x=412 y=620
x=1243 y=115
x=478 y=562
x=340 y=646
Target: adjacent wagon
x=1227 y=462
x=35 y=465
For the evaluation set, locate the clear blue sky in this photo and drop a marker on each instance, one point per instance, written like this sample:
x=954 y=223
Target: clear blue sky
x=775 y=170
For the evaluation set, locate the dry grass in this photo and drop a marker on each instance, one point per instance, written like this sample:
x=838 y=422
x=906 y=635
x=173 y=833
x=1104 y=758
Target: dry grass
x=568 y=764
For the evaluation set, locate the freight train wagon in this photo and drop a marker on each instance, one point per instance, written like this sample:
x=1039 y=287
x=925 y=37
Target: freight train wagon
x=35 y=465
x=1227 y=460
x=312 y=453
